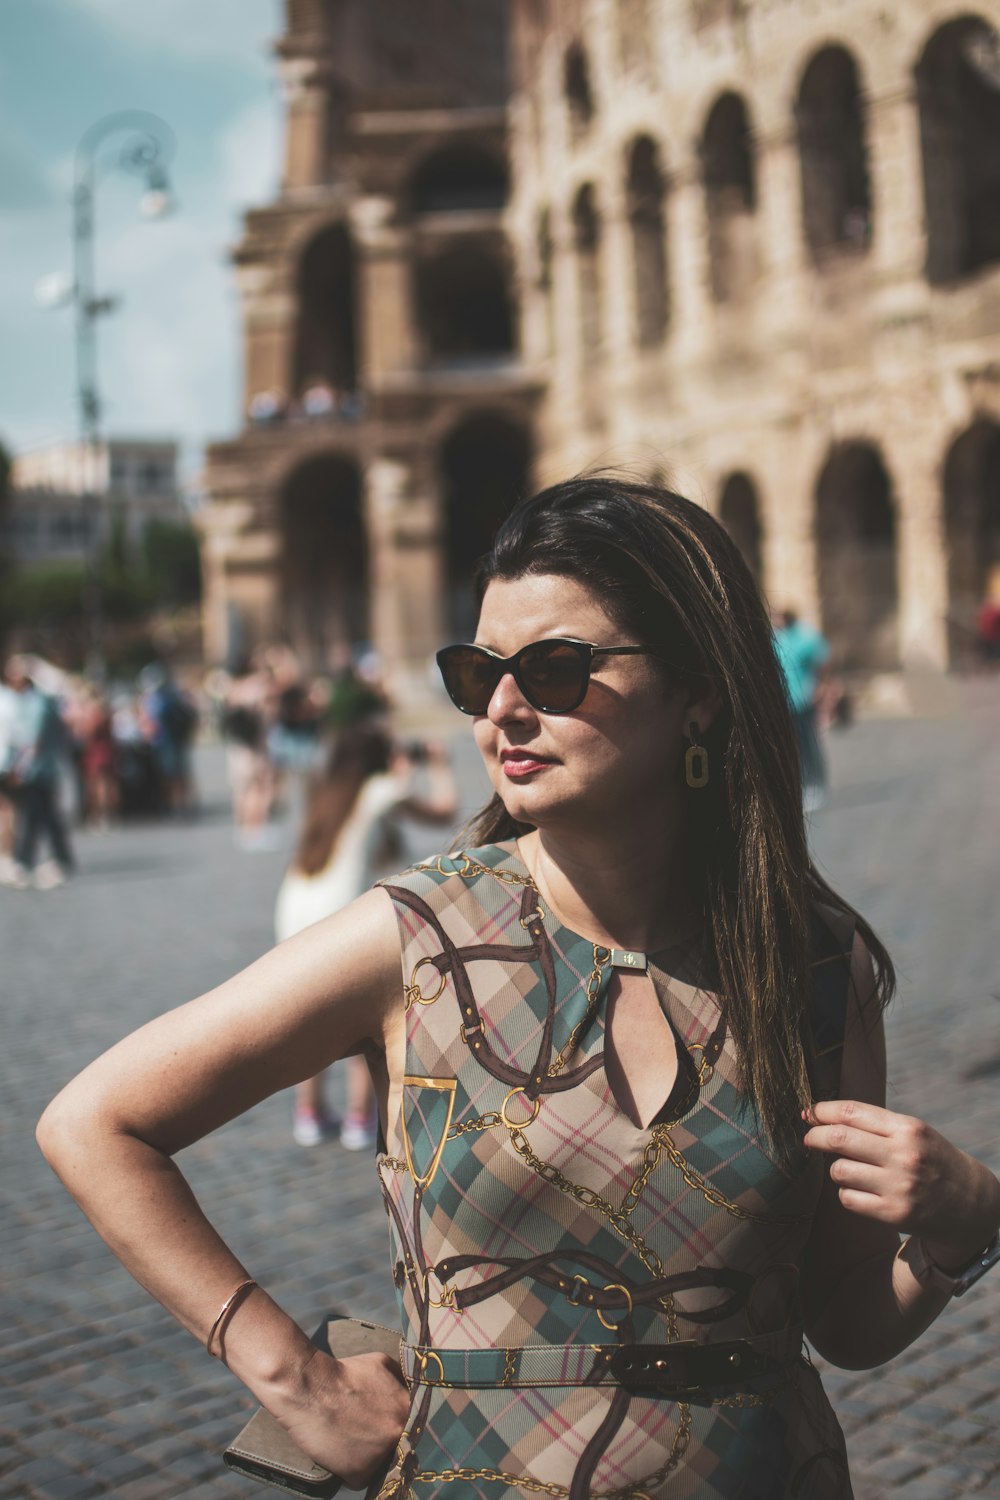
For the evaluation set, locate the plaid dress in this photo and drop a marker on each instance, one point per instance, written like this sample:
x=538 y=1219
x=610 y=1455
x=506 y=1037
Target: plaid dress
x=539 y=1236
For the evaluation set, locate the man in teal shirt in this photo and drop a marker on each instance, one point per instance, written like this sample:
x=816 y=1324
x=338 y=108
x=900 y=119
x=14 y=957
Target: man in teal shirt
x=803 y=654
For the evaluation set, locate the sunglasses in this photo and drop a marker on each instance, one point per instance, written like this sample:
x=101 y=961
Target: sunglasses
x=553 y=675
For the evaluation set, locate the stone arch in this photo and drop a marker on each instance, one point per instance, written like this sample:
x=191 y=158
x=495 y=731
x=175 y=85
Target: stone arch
x=646 y=193
x=833 y=157
x=324 y=557
x=730 y=179
x=484 y=465
x=739 y=512
x=578 y=91
x=464 y=307
x=958 y=94
x=326 y=344
x=971 y=528
x=857 y=564
x=462 y=176
x=587 y=245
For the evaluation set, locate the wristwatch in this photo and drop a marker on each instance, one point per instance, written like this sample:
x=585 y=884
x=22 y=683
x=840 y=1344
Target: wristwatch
x=955 y=1283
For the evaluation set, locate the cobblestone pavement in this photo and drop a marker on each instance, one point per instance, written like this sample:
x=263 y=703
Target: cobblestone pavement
x=103 y=1395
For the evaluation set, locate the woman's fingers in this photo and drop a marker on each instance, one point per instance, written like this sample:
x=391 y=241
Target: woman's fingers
x=844 y=1140
x=853 y=1112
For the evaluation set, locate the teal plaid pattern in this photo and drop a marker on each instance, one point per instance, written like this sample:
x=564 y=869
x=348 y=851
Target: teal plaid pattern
x=528 y=1211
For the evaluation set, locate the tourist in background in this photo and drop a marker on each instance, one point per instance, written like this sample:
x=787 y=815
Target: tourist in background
x=350 y=838
x=34 y=753
x=803 y=654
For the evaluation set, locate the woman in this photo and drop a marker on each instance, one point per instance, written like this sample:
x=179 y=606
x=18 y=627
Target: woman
x=349 y=837
x=632 y=1090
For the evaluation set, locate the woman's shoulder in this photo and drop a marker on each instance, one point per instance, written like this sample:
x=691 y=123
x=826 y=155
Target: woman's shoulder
x=461 y=870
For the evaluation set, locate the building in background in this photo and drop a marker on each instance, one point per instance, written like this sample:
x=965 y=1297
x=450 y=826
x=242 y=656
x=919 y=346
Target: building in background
x=68 y=500
x=388 y=419
x=753 y=245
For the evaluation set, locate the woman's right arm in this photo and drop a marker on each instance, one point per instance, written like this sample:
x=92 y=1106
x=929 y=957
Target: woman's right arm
x=112 y=1132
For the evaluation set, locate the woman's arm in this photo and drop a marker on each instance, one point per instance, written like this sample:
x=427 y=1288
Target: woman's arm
x=110 y=1136
x=887 y=1173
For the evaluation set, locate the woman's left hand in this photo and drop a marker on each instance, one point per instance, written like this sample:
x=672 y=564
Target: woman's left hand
x=900 y=1171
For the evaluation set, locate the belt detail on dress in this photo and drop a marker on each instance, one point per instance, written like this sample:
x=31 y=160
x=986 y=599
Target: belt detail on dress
x=667 y=1370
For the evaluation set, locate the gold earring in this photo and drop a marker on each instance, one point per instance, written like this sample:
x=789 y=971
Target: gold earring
x=696 y=759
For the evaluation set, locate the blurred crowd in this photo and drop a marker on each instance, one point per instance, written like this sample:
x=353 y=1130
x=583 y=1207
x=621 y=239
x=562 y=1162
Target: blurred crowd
x=78 y=753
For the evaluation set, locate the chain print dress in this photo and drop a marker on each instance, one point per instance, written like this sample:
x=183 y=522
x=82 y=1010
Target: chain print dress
x=589 y=1308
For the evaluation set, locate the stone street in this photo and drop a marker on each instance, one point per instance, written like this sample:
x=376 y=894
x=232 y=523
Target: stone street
x=103 y=1395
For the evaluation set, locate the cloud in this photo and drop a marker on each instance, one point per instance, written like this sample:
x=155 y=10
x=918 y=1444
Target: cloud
x=250 y=154
x=29 y=182
x=216 y=29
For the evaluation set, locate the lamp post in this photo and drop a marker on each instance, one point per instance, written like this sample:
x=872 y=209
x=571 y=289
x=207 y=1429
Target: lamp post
x=144 y=149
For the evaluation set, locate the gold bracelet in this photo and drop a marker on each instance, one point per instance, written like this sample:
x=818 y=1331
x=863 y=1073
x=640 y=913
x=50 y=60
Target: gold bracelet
x=227 y=1309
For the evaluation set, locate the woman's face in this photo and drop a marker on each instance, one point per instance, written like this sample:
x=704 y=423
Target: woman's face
x=619 y=754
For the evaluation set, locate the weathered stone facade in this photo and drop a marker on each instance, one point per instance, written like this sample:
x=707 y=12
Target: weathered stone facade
x=755 y=246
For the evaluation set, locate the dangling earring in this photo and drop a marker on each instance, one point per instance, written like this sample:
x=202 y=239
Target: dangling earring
x=696 y=759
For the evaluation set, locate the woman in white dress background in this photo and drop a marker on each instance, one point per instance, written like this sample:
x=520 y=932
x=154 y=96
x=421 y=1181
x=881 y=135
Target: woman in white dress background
x=350 y=838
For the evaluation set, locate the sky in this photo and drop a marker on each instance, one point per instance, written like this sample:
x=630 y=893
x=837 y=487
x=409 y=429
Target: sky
x=169 y=356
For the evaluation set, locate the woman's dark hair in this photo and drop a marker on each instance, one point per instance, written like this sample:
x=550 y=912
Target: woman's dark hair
x=672 y=578
x=358 y=754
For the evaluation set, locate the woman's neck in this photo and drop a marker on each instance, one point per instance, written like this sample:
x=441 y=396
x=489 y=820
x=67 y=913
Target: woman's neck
x=621 y=891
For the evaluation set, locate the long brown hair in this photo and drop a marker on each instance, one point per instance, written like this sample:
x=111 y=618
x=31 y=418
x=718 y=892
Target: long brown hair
x=672 y=578
x=358 y=754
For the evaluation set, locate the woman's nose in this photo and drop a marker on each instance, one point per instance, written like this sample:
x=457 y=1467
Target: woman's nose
x=508 y=702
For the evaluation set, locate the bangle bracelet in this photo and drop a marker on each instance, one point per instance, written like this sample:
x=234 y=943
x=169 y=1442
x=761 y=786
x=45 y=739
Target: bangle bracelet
x=227 y=1309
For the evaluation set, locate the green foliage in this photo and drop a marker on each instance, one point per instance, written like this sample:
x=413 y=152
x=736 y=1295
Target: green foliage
x=172 y=562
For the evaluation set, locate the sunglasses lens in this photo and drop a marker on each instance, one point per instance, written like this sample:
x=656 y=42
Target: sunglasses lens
x=470 y=677
x=554 y=674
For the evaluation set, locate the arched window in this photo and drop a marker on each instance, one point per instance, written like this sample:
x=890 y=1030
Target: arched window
x=579 y=98
x=324 y=558
x=958 y=89
x=326 y=344
x=646 y=195
x=727 y=158
x=635 y=36
x=484 y=467
x=972 y=529
x=463 y=305
x=833 y=154
x=856 y=550
x=739 y=513
x=459 y=178
x=587 y=243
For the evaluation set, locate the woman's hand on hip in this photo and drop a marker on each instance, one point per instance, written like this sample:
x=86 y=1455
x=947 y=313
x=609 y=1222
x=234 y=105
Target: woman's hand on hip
x=900 y=1171
x=350 y=1415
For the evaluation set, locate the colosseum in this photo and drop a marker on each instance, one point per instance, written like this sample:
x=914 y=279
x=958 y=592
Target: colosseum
x=753 y=245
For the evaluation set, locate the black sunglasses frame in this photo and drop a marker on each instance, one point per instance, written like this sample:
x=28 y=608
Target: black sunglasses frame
x=503 y=665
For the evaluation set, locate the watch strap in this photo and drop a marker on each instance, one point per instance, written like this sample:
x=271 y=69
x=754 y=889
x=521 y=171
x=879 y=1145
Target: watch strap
x=953 y=1283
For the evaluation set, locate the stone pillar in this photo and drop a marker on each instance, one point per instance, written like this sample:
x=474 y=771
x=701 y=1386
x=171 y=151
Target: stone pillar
x=782 y=248
x=385 y=301
x=895 y=163
x=788 y=511
x=240 y=569
x=690 y=301
x=305 y=83
x=270 y=318
x=407 y=588
x=916 y=456
x=618 y=284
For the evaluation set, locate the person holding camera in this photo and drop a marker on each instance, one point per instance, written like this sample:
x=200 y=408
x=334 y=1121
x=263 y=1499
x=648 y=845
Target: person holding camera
x=350 y=837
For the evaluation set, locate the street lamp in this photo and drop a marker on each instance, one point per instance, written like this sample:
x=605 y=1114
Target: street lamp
x=144 y=149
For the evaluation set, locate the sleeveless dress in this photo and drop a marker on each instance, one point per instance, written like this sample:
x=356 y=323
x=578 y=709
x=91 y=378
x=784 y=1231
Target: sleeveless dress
x=591 y=1309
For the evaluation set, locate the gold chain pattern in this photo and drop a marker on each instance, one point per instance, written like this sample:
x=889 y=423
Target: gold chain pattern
x=635 y=1491
x=712 y=1194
